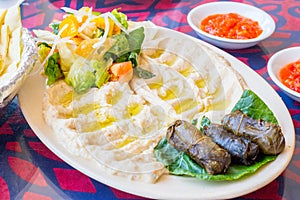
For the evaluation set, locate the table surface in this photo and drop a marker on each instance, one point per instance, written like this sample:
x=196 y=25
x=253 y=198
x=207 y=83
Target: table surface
x=22 y=154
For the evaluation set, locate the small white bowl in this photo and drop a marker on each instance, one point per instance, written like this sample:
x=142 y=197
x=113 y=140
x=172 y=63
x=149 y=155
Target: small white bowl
x=279 y=60
x=197 y=14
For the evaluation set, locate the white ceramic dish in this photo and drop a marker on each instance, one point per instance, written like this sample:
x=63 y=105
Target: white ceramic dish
x=197 y=14
x=279 y=60
x=168 y=186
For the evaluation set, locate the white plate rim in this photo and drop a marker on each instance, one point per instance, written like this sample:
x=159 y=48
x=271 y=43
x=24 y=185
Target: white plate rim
x=168 y=186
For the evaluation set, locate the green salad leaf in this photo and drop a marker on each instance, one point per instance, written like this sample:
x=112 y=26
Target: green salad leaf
x=55 y=27
x=121 y=17
x=102 y=75
x=135 y=39
x=179 y=163
x=52 y=69
x=142 y=73
x=43 y=50
x=250 y=104
x=81 y=75
x=120 y=47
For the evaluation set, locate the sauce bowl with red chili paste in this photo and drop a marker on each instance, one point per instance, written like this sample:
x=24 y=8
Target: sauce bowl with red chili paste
x=284 y=70
x=231 y=25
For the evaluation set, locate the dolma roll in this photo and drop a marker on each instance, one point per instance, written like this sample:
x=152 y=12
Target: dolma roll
x=241 y=149
x=267 y=136
x=185 y=137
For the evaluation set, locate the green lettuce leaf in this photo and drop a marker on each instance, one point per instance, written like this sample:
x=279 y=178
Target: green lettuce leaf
x=179 y=163
x=121 y=17
x=102 y=75
x=52 y=69
x=250 y=104
x=43 y=50
x=142 y=73
x=81 y=75
x=121 y=46
x=55 y=27
x=135 y=39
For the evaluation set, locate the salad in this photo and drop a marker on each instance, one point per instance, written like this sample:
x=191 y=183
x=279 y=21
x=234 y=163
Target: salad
x=88 y=49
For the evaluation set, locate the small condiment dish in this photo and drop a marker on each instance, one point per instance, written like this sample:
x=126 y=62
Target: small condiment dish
x=197 y=14
x=278 y=61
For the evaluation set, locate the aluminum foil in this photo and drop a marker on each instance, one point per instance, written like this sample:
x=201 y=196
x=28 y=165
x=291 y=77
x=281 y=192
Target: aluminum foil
x=10 y=87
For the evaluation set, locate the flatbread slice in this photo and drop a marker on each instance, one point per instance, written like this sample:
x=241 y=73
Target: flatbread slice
x=4 y=41
x=14 y=49
x=2 y=15
x=13 y=18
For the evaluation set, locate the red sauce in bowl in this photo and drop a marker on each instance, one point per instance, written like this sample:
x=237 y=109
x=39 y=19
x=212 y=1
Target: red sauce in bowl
x=290 y=75
x=231 y=25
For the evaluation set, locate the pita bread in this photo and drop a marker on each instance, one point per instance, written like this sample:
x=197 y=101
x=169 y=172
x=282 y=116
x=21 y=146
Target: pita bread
x=10 y=39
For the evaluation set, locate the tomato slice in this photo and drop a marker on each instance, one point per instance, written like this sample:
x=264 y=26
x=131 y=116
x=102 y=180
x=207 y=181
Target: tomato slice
x=121 y=71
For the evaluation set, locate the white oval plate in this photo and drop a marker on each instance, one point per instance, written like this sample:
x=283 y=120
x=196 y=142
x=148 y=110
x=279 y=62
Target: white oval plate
x=168 y=186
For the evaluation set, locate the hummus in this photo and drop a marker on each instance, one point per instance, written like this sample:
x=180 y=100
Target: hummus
x=119 y=124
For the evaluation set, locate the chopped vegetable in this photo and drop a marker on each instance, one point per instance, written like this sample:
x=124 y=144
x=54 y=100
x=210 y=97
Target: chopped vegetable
x=142 y=73
x=52 y=69
x=121 y=71
x=92 y=49
x=43 y=50
x=135 y=39
x=102 y=74
x=81 y=75
x=55 y=27
x=85 y=48
x=72 y=26
x=121 y=17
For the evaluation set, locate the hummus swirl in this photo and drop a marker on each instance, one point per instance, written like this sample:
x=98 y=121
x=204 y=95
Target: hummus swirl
x=119 y=124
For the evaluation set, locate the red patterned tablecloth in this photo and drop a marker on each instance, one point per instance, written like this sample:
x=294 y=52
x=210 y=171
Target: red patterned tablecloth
x=29 y=170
